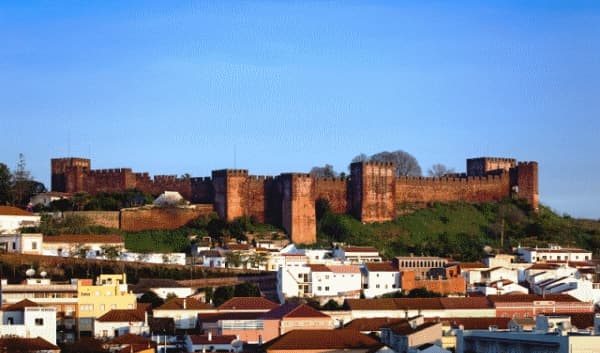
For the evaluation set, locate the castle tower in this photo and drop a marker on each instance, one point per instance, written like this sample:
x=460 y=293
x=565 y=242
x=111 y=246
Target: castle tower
x=373 y=191
x=230 y=192
x=527 y=183
x=68 y=174
x=298 y=207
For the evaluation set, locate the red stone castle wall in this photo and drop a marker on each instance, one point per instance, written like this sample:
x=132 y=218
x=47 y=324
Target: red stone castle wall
x=334 y=190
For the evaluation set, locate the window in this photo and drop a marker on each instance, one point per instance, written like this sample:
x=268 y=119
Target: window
x=39 y=322
x=102 y=307
x=113 y=306
x=319 y=288
x=129 y=306
x=327 y=288
x=34 y=245
x=87 y=307
x=14 y=245
x=104 y=333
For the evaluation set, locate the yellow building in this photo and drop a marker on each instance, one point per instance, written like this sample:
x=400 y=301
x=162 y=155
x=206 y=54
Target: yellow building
x=94 y=300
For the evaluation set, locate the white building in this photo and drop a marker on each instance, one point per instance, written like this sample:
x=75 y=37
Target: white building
x=553 y=253
x=499 y=287
x=184 y=311
x=88 y=246
x=26 y=243
x=45 y=198
x=551 y=334
x=380 y=278
x=319 y=281
x=120 y=322
x=29 y=320
x=357 y=254
x=12 y=219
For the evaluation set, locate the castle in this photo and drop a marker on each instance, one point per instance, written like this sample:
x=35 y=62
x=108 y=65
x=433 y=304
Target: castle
x=372 y=193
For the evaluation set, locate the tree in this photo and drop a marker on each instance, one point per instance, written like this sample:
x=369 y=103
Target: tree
x=5 y=184
x=152 y=298
x=233 y=259
x=111 y=252
x=406 y=164
x=323 y=172
x=360 y=158
x=246 y=289
x=222 y=294
x=21 y=179
x=439 y=170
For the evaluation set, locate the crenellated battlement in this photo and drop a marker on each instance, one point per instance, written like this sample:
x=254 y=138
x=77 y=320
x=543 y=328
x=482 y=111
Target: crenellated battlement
x=372 y=192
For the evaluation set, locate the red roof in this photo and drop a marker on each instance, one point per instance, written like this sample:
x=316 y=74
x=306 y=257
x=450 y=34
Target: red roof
x=294 y=311
x=248 y=303
x=371 y=324
x=203 y=339
x=380 y=267
x=405 y=328
x=322 y=339
x=20 y=306
x=418 y=303
x=318 y=268
x=130 y=339
x=189 y=303
x=511 y=298
x=122 y=315
x=31 y=344
x=466 y=303
x=76 y=238
x=215 y=317
x=13 y=211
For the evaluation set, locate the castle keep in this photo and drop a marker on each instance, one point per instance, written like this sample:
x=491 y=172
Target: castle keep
x=372 y=193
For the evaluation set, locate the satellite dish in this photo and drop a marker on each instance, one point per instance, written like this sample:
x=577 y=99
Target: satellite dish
x=30 y=272
x=487 y=249
x=43 y=274
x=237 y=345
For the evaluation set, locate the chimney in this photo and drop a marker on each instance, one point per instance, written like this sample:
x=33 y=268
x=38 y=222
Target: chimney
x=209 y=336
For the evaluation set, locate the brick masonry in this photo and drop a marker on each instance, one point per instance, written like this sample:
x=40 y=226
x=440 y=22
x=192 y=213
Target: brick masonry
x=373 y=192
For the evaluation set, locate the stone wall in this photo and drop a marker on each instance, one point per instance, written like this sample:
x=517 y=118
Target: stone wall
x=138 y=219
x=109 y=219
x=298 y=208
x=334 y=190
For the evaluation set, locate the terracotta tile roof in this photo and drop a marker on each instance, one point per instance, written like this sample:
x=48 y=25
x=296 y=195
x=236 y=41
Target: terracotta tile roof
x=237 y=247
x=380 y=267
x=211 y=253
x=30 y=344
x=344 y=269
x=543 y=266
x=122 y=315
x=466 y=303
x=581 y=320
x=371 y=324
x=318 y=268
x=130 y=339
x=134 y=348
x=293 y=311
x=322 y=339
x=467 y=265
x=76 y=238
x=404 y=328
x=13 y=211
x=348 y=249
x=20 y=306
x=190 y=304
x=203 y=339
x=532 y=297
x=248 y=303
x=215 y=317
x=418 y=303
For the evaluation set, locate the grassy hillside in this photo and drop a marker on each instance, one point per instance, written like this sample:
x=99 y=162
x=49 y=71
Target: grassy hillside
x=462 y=230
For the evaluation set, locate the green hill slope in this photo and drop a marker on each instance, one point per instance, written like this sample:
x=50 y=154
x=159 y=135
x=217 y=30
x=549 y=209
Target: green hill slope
x=462 y=230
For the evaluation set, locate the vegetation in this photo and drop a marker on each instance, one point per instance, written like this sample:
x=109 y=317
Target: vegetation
x=104 y=201
x=406 y=164
x=460 y=230
x=224 y=293
x=16 y=188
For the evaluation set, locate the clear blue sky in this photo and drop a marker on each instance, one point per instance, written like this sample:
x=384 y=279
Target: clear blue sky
x=171 y=89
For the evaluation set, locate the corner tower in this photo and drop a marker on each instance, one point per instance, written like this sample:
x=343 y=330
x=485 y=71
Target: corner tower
x=68 y=174
x=298 y=215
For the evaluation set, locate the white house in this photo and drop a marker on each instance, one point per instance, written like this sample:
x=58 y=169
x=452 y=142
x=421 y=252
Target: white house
x=26 y=243
x=553 y=253
x=13 y=218
x=29 y=320
x=318 y=281
x=357 y=254
x=380 y=278
x=45 y=198
x=184 y=311
x=119 y=322
x=210 y=343
x=92 y=246
x=499 y=287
